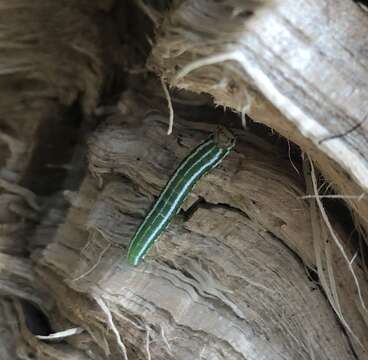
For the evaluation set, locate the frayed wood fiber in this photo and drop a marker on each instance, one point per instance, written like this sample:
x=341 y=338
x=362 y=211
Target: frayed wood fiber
x=264 y=261
x=46 y=46
x=228 y=262
x=51 y=58
x=303 y=76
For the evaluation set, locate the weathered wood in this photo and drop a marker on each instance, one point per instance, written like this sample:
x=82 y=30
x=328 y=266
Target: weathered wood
x=8 y=329
x=298 y=66
x=250 y=271
x=50 y=58
x=43 y=67
x=221 y=284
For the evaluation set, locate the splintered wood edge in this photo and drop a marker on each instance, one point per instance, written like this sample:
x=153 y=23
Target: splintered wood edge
x=258 y=73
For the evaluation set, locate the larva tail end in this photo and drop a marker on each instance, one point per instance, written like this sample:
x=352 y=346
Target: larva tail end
x=133 y=260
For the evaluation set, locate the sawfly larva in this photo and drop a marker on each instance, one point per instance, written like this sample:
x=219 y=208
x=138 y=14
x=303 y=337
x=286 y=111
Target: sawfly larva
x=199 y=162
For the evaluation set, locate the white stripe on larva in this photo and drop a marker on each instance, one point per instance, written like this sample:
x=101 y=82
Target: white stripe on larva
x=152 y=236
x=211 y=162
x=184 y=163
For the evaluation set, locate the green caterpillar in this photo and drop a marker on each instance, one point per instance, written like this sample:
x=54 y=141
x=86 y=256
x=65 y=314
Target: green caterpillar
x=202 y=159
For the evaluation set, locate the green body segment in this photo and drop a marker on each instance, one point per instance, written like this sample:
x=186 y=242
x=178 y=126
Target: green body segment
x=201 y=160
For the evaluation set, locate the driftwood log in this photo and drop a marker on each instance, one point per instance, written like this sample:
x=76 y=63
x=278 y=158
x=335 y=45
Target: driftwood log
x=266 y=260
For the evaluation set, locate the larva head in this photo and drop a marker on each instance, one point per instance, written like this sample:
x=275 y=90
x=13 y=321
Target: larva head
x=224 y=138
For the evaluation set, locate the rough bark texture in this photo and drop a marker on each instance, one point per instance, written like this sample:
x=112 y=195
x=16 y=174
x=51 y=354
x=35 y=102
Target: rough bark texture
x=51 y=57
x=249 y=269
x=307 y=58
x=225 y=267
